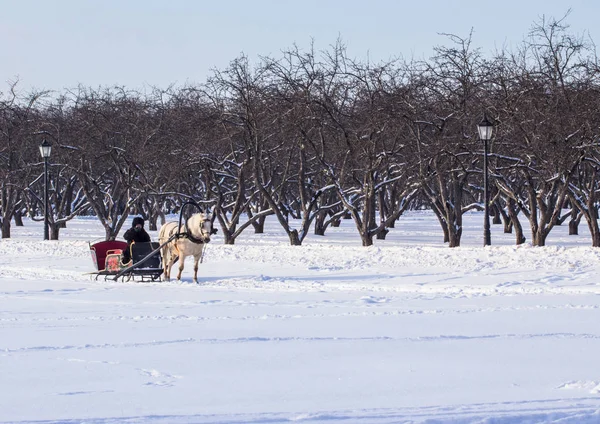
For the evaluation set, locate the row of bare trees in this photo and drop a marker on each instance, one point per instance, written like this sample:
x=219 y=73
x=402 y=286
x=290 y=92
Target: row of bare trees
x=316 y=136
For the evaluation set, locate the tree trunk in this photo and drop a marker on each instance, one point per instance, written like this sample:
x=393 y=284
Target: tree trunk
x=109 y=234
x=591 y=216
x=367 y=239
x=383 y=210
x=381 y=235
x=294 y=238
x=539 y=238
x=5 y=228
x=573 y=227
x=259 y=225
x=574 y=221
x=227 y=236
x=320 y=223
x=520 y=237
x=453 y=236
x=511 y=209
x=496 y=219
x=508 y=225
x=446 y=233
x=152 y=222
x=596 y=239
x=54 y=230
x=18 y=219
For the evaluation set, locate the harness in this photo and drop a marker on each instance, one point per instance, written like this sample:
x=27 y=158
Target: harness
x=188 y=235
x=193 y=239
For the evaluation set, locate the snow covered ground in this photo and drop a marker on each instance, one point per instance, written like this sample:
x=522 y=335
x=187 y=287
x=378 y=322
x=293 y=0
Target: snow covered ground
x=406 y=331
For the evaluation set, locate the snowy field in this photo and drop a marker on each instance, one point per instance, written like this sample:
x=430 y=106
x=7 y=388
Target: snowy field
x=406 y=331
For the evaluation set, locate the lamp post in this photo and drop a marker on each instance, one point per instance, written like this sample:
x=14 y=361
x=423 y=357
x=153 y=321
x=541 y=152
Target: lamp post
x=45 y=149
x=485 y=129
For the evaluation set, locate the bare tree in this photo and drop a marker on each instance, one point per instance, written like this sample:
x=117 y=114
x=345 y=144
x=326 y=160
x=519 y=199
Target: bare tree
x=18 y=148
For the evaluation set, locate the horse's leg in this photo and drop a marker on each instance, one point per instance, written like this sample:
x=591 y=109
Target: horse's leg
x=166 y=258
x=196 y=260
x=171 y=260
x=181 y=262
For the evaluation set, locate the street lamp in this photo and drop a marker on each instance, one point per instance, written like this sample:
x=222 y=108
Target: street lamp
x=485 y=129
x=45 y=149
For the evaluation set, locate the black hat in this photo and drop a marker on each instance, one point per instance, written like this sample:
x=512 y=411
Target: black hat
x=138 y=220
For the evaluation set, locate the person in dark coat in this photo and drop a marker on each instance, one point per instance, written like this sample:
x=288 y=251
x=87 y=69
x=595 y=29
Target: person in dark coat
x=136 y=234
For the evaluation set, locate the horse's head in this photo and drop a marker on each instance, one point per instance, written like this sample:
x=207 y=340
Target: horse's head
x=200 y=225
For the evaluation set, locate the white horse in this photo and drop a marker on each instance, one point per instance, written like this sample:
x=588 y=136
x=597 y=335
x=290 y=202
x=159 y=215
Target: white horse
x=195 y=233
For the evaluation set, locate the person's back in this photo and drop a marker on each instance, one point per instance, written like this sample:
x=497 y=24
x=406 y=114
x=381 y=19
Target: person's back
x=136 y=234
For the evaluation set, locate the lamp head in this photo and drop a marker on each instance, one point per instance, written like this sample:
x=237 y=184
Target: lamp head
x=45 y=148
x=485 y=129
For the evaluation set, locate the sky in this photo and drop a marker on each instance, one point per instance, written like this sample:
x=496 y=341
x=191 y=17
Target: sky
x=60 y=44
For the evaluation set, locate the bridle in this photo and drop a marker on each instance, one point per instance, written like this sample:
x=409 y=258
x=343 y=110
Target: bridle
x=187 y=234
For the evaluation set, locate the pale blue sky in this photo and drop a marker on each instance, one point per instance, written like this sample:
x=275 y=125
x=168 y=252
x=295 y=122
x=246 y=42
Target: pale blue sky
x=61 y=43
